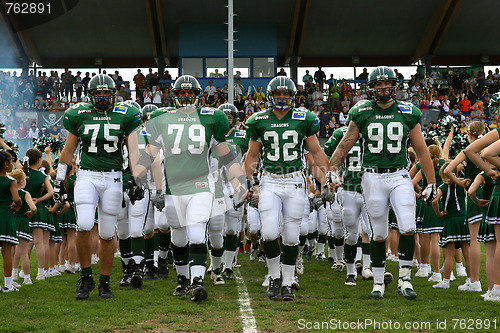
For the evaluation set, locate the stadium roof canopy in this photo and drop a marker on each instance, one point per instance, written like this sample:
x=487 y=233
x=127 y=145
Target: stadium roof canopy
x=135 y=33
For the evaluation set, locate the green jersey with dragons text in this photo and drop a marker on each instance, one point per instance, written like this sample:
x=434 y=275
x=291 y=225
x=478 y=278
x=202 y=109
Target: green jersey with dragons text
x=351 y=176
x=186 y=139
x=238 y=141
x=282 y=139
x=102 y=134
x=384 y=133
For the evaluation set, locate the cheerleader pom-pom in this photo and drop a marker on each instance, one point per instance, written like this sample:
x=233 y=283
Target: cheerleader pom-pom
x=2 y=130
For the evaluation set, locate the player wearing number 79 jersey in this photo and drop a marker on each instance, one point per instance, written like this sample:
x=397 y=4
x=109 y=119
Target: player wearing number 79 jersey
x=384 y=127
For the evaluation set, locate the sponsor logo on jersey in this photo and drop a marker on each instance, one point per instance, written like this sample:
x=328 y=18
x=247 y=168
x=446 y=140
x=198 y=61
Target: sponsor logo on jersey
x=280 y=125
x=316 y=121
x=137 y=117
x=101 y=118
x=84 y=111
x=201 y=185
x=144 y=132
x=120 y=109
x=365 y=108
x=385 y=116
x=404 y=108
x=239 y=134
x=262 y=117
x=186 y=119
x=117 y=180
x=299 y=115
x=298 y=186
x=169 y=110
x=220 y=201
x=207 y=111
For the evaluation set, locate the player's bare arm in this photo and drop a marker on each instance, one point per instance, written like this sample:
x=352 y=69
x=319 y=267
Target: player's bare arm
x=348 y=140
x=251 y=164
x=133 y=150
x=317 y=173
x=474 y=149
x=319 y=157
x=490 y=154
x=69 y=149
x=418 y=143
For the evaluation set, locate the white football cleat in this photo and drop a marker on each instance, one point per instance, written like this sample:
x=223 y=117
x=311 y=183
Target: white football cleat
x=299 y=266
x=266 y=281
x=367 y=274
x=422 y=272
x=378 y=291
x=461 y=271
x=8 y=290
x=443 y=284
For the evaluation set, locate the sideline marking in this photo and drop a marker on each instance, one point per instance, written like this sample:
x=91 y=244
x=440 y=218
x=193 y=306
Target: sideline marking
x=249 y=325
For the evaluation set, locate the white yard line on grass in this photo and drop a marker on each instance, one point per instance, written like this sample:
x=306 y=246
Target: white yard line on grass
x=249 y=325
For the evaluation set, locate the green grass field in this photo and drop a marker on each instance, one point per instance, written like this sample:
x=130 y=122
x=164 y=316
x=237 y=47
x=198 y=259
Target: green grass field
x=322 y=301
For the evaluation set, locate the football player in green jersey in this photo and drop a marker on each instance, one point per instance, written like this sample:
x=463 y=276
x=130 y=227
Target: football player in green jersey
x=281 y=132
x=187 y=134
x=238 y=142
x=102 y=128
x=385 y=127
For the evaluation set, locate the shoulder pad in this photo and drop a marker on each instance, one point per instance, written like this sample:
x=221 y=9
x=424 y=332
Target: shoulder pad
x=299 y=115
x=240 y=134
x=207 y=111
x=120 y=109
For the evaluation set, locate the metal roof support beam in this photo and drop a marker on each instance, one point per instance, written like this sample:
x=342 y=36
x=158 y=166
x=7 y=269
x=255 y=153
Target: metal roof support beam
x=297 y=31
x=436 y=29
x=156 y=28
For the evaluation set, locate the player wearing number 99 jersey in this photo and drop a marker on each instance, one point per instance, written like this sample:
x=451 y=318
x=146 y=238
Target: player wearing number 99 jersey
x=102 y=128
x=384 y=127
x=281 y=133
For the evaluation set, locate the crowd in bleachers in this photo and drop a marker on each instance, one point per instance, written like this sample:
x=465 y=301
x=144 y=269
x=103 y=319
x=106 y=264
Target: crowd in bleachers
x=459 y=92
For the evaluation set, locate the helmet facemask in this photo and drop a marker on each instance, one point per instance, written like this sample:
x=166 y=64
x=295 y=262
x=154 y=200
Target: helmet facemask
x=282 y=103
x=385 y=94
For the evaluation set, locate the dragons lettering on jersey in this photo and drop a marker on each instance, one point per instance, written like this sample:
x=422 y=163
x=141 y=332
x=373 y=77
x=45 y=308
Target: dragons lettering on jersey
x=101 y=118
x=186 y=119
x=280 y=125
x=387 y=116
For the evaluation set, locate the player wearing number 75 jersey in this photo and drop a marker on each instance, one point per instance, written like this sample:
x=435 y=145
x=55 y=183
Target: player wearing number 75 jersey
x=102 y=128
x=281 y=133
x=384 y=127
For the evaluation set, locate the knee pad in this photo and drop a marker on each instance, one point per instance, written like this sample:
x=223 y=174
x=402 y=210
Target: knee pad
x=179 y=237
x=122 y=230
x=231 y=225
x=352 y=238
x=107 y=225
x=253 y=220
x=111 y=202
x=380 y=231
x=215 y=231
x=196 y=233
x=85 y=214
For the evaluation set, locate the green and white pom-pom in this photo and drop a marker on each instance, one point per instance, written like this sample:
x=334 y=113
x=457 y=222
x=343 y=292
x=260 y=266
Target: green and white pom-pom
x=495 y=102
x=2 y=130
x=12 y=145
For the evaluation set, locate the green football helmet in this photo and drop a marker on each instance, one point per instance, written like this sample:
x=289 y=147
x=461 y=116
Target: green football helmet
x=146 y=110
x=102 y=82
x=281 y=83
x=187 y=83
x=230 y=109
x=380 y=74
x=133 y=103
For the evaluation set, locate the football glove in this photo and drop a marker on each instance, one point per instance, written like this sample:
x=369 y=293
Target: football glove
x=60 y=195
x=332 y=177
x=159 y=200
x=327 y=194
x=429 y=193
x=239 y=196
x=317 y=201
x=134 y=189
x=311 y=203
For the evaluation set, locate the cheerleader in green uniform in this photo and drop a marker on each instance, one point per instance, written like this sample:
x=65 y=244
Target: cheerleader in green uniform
x=455 y=228
x=67 y=223
x=431 y=224
x=40 y=222
x=23 y=231
x=491 y=155
x=486 y=232
x=474 y=212
x=8 y=237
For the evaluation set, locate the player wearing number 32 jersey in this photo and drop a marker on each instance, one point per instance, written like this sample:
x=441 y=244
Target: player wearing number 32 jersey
x=385 y=127
x=102 y=128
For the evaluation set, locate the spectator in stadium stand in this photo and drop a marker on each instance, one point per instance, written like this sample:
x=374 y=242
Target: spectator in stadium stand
x=452 y=95
x=148 y=96
x=486 y=109
x=21 y=131
x=238 y=88
x=149 y=77
x=126 y=87
x=467 y=121
x=155 y=80
x=210 y=89
x=363 y=75
x=465 y=105
x=166 y=97
x=306 y=77
x=300 y=96
x=346 y=89
x=309 y=88
x=34 y=132
x=479 y=104
x=320 y=77
x=328 y=131
x=445 y=104
x=67 y=83
x=239 y=103
x=324 y=119
x=166 y=76
x=258 y=93
x=85 y=83
x=414 y=100
x=78 y=85
x=140 y=91
x=225 y=91
x=357 y=96
x=10 y=133
x=55 y=132
x=138 y=79
x=346 y=103
x=120 y=95
x=494 y=124
x=481 y=80
x=455 y=109
x=424 y=103
x=476 y=114
x=318 y=96
x=399 y=76
x=333 y=94
x=428 y=79
x=435 y=103
x=281 y=72
x=157 y=96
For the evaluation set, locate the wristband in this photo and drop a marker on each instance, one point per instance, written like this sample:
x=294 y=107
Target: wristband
x=255 y=179
x=62 y=169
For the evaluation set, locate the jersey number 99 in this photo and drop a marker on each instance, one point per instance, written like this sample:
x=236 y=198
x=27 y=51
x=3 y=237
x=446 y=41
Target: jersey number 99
x=392 y=135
